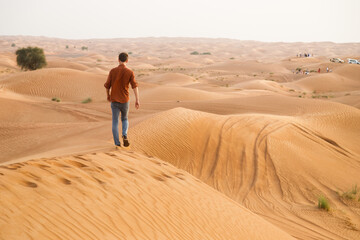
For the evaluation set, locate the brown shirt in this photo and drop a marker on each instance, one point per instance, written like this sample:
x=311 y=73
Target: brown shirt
x=118 y=80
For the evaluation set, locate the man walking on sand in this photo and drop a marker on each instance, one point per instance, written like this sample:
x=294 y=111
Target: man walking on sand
x=117 y=90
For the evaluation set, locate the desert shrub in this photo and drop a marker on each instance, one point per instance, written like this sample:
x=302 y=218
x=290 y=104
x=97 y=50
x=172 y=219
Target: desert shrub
x=194 y=53
x=232 y=58
x=298 y=69
x=354 y=189
x=323 y=203
x=30 y=58
x=129 y=53
x=206 y=53
x=87 y=100
x=67 y=46
x=291 y=90
x=351 y=194
x=84 y=48
x=55 y=99
x=13 y=45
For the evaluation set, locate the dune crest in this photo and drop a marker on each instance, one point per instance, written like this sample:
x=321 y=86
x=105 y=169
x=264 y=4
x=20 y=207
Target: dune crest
x=254 y=159
x=115 y=195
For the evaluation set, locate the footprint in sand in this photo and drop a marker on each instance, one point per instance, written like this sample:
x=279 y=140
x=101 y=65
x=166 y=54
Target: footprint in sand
x=29 y=184
x=65 y=181
x=76 y=163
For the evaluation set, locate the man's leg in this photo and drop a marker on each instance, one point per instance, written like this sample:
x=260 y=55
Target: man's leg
x=115 y=122
x=125 y=123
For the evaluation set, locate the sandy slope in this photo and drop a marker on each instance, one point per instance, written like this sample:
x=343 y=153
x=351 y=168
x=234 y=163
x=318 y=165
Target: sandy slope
x=268 y=163
x=118 y=195
x=63 y=83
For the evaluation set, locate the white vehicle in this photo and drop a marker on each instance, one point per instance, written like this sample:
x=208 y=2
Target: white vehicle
x=337 y=60
x=353 y=61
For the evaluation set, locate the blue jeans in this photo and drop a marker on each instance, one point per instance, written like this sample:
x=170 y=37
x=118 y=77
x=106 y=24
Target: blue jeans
x=116 y=108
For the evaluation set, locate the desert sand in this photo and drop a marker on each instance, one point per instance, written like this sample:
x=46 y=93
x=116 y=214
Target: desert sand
x=233 y=143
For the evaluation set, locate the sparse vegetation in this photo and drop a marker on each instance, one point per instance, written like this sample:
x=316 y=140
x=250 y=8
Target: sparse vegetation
x=348 y=94
x=129 y=53
x=13 y=45
x=298 y=69
x=98 y=60
x=87 y=100
x=67 y=46
x=323 y=203
x=291 y=90
x=55 y=99
x=271 y=73
x=232 y=58
x=30 y=58
x=197 y=53
x=84 y=48
x=351 y=194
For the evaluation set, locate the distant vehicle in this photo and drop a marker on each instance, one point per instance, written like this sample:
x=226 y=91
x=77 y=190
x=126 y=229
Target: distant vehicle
x=353 y=61
x=337 y=60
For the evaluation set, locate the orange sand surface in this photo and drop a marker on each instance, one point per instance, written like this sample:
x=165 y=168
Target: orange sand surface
x=235 y=143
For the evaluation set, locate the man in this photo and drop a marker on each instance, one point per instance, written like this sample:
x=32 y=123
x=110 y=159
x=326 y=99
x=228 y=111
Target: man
x=117 y=90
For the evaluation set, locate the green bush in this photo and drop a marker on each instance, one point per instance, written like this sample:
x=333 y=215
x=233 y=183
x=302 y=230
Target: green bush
x=55 y=99
x=84 y=48
x=67 y=46
x=13 y=45
x=323 y=203
x=206 y=53
x=194 y=53
x=87 y=100
x=30 y=58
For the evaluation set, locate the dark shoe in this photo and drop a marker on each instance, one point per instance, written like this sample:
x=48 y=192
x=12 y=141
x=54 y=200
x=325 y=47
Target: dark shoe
x=126 y=141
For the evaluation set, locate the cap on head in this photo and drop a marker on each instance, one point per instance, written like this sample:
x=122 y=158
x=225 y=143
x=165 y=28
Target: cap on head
x=123 y=57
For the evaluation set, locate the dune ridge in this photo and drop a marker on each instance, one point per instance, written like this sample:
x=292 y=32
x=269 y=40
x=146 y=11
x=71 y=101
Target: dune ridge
x=118 y=195
x=252 y=158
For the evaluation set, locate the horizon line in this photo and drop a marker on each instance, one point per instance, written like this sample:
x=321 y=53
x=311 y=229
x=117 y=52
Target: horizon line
x=169 y=37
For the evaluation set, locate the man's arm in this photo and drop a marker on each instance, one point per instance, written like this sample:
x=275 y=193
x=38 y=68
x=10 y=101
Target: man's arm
x=107 y=85
x=136 y=92
x=108 y=94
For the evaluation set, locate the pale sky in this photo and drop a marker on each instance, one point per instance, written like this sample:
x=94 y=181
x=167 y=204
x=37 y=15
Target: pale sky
x=262 y=20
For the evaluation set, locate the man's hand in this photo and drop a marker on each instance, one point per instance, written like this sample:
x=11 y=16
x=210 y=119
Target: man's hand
x=137 y=104
x=108 y=98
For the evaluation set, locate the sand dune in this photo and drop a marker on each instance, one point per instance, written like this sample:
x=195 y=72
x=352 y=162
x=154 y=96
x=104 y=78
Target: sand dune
x=172 y=79
x=66 y=64
x=248 y=66
x=238 y=118
x=175 y=94
x=67 y=84
x=117 y=195
x=252 y=158
x=345 y=78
